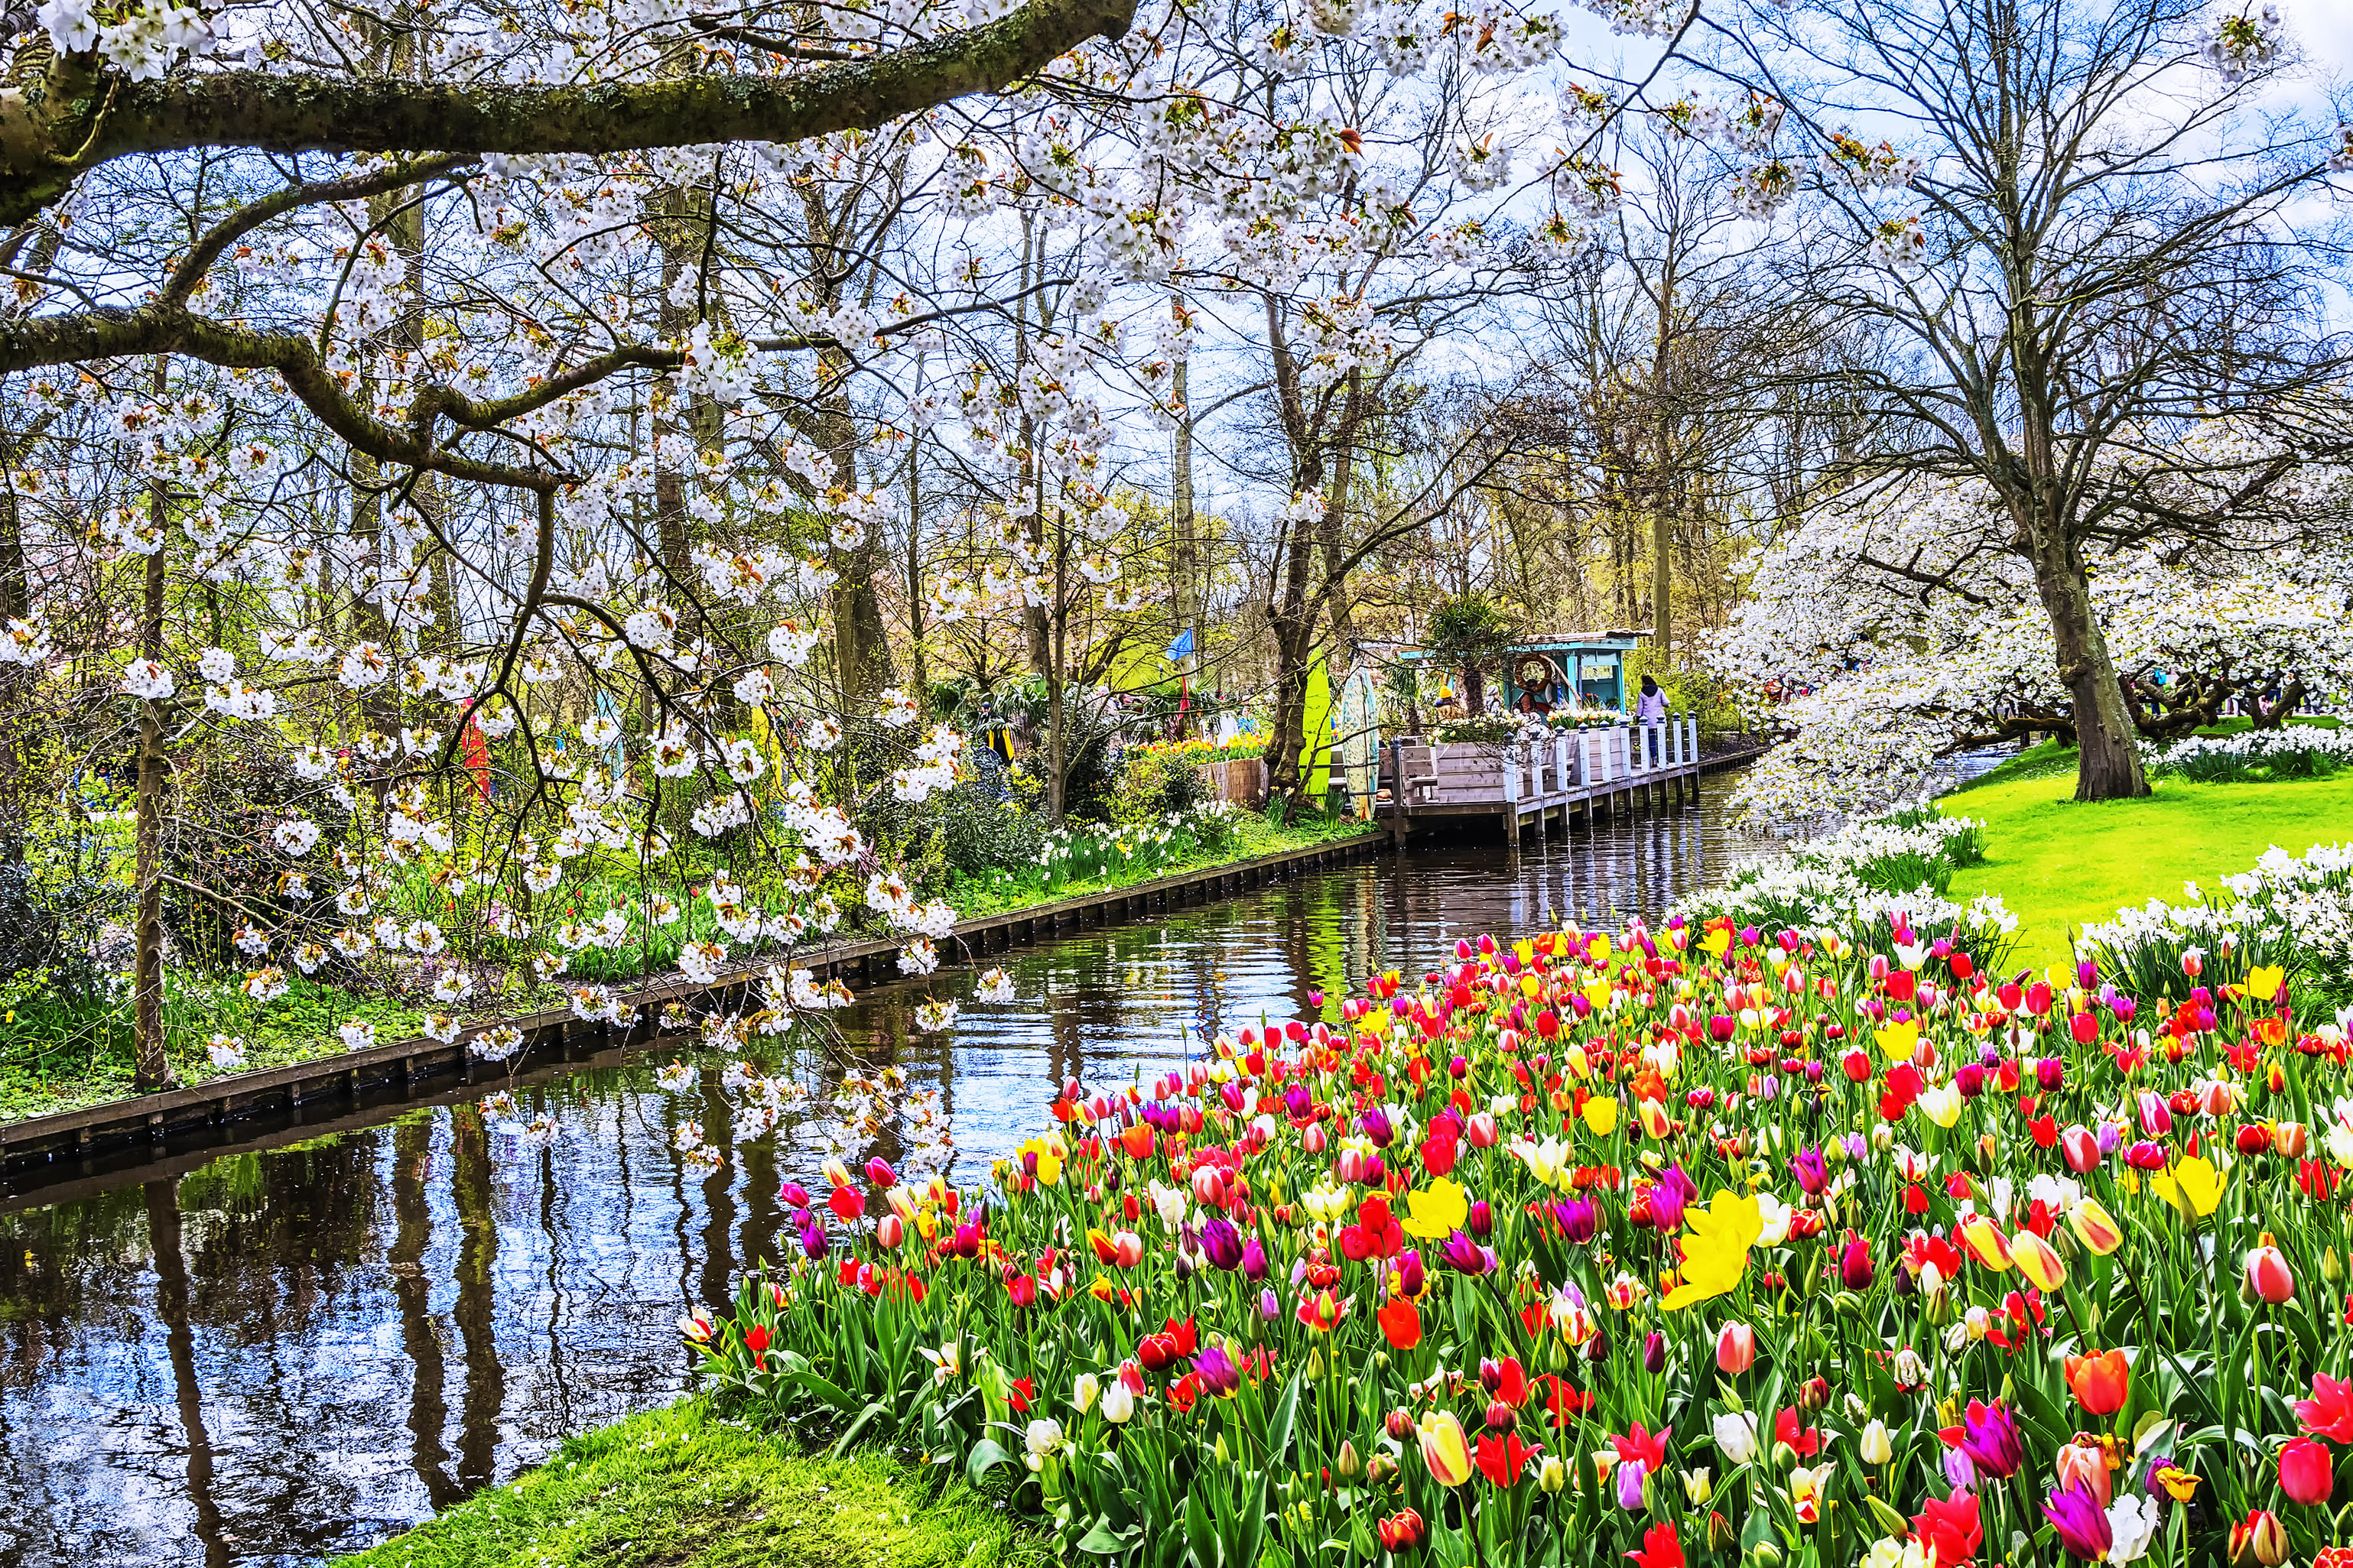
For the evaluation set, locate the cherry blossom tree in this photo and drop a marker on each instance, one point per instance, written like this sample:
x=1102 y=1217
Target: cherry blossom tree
x=1906 y=629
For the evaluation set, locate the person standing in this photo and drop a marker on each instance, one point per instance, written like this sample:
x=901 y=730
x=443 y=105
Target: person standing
x=1648 y=710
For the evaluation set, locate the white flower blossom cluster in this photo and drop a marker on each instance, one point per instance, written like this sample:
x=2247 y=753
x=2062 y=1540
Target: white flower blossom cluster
x=1861 y=882
x=2295 y=911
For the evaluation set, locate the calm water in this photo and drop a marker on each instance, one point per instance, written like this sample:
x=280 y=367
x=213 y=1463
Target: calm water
x=273 y=1356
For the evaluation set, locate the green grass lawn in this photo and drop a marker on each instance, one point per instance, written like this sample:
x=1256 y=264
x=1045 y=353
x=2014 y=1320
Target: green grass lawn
x=1253 y=835
x=2060 y=863
x=677 y=1488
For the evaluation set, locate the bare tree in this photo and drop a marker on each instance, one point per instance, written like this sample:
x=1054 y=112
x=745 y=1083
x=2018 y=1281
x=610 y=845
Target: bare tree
x=2084 y=233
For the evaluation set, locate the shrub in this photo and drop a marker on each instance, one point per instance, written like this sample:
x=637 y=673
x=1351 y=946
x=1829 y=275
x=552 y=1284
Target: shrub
x=1158 y=781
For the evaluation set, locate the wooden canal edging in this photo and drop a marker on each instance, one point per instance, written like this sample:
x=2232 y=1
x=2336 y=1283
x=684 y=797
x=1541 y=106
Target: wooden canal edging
x=350 y=1087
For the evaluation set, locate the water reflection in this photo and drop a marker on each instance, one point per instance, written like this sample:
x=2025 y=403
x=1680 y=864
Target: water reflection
x=285 y=1353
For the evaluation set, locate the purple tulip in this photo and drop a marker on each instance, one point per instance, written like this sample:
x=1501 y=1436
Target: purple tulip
x=1654 y=1352
x=1411 y=1274
x=1812 y=1175
x=1482 y=1218
x=1221 y=1244
x=1463 y=1255
x=1217 y=1369
x=1270 y=1305
x=2081 y=1521
x=1990 y=1437
x=1254 y=1260
x=1630 y=1483
x=1578 y=1220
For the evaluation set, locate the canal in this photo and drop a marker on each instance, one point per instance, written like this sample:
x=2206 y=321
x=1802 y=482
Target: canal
x=273 y=1355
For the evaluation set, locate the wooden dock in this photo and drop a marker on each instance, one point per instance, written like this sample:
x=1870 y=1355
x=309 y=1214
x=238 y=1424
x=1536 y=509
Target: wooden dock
x=1522 y=784
x=351 y=1088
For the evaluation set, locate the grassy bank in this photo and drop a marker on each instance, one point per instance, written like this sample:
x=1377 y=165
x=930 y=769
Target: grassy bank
x=678 y=1487
x=1252 y=837
x=2059 y=863
x=94 y=1067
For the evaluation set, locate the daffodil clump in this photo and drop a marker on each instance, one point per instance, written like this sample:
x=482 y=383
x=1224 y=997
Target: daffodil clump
x=1702 y=1244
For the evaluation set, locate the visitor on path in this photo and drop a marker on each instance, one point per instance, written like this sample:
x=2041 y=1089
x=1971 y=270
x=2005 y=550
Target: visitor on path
x=1652 y=709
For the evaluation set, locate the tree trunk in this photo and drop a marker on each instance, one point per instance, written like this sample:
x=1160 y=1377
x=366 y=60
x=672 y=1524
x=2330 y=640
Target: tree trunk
x=16 y=682
x=154 y=1062
x=1475 y=689
x=2107 y=762
x=922 y=692
x=1662 y=545
x=1180 y=516
x=1057 y=719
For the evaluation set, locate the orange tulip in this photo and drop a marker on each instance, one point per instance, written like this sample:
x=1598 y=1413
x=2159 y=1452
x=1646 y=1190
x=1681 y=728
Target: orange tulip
x=1400 y=1323
x=2101 y=1381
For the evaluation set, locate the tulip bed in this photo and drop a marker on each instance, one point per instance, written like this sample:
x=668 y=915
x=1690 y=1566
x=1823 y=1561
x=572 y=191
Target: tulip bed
x=1694 y=1245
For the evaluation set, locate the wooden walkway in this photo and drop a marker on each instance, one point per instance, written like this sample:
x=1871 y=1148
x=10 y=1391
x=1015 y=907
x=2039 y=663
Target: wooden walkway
x=1520 y=785
x=351 y=1088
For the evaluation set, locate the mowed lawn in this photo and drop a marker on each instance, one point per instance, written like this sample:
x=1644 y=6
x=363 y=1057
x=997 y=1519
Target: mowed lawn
x=2060 y=863
x=676 y=1488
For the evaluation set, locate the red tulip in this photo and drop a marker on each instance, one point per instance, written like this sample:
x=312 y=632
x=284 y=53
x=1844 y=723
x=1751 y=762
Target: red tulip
x=1501 y=1459
x=1400 y=1532
x=1661 y=1549
x=2307 y=1472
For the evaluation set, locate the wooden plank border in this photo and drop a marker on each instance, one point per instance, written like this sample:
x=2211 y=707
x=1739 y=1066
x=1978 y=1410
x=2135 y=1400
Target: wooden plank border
x=66 y=1140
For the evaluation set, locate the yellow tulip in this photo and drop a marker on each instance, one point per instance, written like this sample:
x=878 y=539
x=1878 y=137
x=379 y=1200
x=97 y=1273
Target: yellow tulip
x=2263 y=982
x=1525 y=951
x=1601 y=1114
x=2193 y=1186
x=2037 y=1261
x=1900 y=1040
x=1435 y=1211
x=1718 y=942
x=1597 y=993
x=2094 y=1226
x=1985 y=1242
x=1445 y=1449
x=1531 y=987
x=1716 y=1253
x=1941 y=1105
x=1653 y=1117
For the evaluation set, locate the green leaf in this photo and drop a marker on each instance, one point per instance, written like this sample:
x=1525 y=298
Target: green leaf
x=1105 y=1541
x=1286 y=1412
x=986 y=1455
